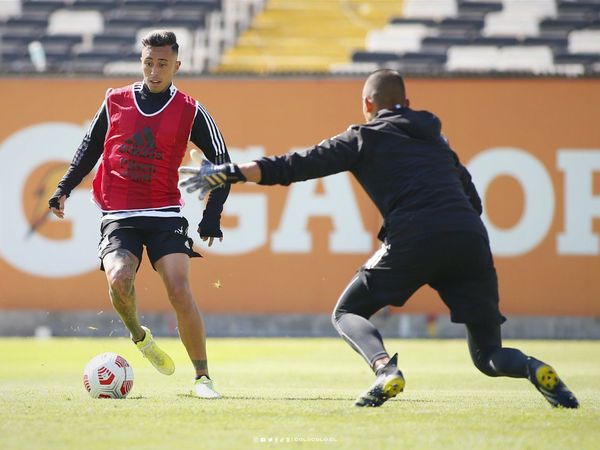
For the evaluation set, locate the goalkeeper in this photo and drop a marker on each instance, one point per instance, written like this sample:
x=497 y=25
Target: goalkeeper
x=432 y=234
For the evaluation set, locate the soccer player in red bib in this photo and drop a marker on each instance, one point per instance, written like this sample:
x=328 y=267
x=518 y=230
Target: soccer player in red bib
x=140 y=135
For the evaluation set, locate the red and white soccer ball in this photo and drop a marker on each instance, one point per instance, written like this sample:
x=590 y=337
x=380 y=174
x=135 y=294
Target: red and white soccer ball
x=108 y=375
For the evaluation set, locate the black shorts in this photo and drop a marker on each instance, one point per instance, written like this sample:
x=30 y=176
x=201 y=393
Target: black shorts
x=160 y=235
x=458 y=265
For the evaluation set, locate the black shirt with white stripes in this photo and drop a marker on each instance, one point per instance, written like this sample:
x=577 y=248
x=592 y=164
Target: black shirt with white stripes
x=204 y=134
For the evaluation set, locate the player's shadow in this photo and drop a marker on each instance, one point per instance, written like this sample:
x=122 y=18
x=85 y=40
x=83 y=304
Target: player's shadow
x=287 y=398
x=300 y=398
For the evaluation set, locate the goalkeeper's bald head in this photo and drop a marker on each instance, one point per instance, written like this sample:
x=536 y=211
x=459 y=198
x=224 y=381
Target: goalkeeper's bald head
x=383 y=89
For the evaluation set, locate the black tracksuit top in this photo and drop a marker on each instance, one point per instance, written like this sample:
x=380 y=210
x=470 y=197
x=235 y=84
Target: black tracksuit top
x=405 y=165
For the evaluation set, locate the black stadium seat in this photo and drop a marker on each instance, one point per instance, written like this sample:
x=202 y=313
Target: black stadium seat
x=578 y=10
x=497 y=41
x=562 y=27
x=440 y=44
x=374 y=57
x=555 y=43
x=95 y=5
x=405 y=20
x=460 y=26
x=576 y=58
x=10 y=51
x=478 y=9
x=42 y=6
x=112 y=38
x=60 y=39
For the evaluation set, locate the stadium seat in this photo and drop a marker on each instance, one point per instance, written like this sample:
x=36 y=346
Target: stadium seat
x=396 y=38
x=412 y=20
x=10 y=8
x=58 y=48
x=434 y=9
x=60 y=39
x=584 y=41
x=578 y=9
x=562 y=27
x=554 y=43
x=43 y=6
x=210 y=5
x=478 y=9
x=94 y=5
x=472 y=58
x=497 y=41
x=440 y=44
x=529 y=8
x=12 y=50
x=64 y=21
x=421 y=62
x=519 y=18
x=23 y=29
x=113 y=38
x=587 y=59
x=534 y=59
x=503 y=24
x=460 y=26
x=379 y=58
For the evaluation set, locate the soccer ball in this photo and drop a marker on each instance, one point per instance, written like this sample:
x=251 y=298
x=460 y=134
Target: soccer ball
x=108 y=375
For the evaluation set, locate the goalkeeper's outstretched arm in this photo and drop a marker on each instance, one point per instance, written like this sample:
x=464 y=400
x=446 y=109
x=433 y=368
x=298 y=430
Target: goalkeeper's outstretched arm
x=210 y=176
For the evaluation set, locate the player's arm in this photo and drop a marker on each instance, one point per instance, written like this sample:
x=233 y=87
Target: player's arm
x=207 y=137
x=331 y=156
x=468 y=186
x=86 y=157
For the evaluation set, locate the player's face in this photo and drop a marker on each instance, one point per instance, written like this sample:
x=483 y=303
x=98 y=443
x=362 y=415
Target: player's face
x=159 y=65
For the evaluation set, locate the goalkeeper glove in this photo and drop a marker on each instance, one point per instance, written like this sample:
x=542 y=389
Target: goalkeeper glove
x=210 y=176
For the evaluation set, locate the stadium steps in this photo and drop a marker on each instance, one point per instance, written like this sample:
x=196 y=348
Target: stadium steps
x=306 y=35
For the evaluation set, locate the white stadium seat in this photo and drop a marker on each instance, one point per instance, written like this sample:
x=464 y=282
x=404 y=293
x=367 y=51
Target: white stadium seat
x=9 y=8
x=534 y=59
x=434 y=9
x=584 y=41
x=398 y=38
x=472 y=58
x=503 y=24
x=518 y=18
x=530 y=8
x=83 y=23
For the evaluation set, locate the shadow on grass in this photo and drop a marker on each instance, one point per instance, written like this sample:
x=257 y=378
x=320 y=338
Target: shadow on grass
x=300 y=398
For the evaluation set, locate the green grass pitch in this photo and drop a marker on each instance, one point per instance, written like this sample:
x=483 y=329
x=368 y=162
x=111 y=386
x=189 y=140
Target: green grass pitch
x=292 y=393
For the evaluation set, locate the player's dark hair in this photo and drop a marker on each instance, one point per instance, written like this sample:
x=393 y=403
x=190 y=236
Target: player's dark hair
x=161 y=38
x=386 y=88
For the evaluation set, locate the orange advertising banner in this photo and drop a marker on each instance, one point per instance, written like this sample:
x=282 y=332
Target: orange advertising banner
x=532 y=145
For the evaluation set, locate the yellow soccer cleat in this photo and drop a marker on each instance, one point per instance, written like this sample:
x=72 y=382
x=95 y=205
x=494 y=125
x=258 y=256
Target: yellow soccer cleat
x=203 y=388
x=159 y=359
x=387 y=385
x=546 y=381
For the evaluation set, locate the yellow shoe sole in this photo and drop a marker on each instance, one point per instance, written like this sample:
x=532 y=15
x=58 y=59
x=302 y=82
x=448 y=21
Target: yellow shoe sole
x=547 y=378
x=393 y=387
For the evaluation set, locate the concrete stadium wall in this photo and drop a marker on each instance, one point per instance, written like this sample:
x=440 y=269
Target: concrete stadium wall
x=532 y=145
